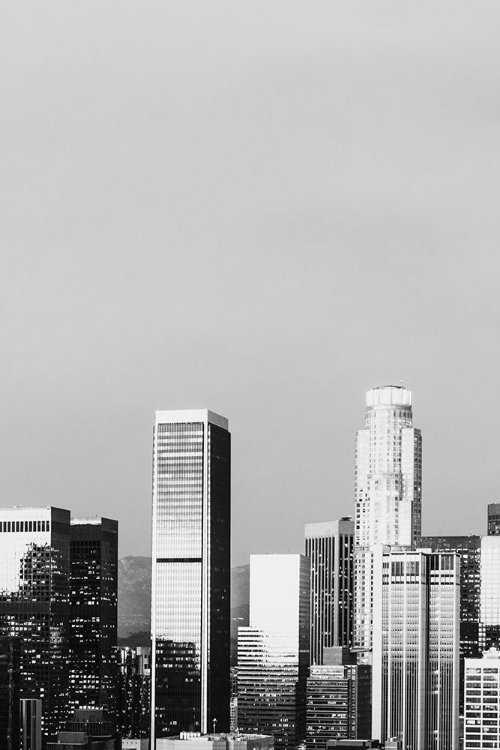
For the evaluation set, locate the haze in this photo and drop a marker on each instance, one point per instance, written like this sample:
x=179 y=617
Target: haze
x=260 y=208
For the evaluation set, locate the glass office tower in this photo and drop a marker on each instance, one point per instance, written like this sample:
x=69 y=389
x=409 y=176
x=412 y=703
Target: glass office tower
x=388 y=489
x=330 y=546
x=34 y=604
x=273 y=652
x=190 y=610
x=489 y=628
x=93 y=601
x=469 y=549
x=416 y=606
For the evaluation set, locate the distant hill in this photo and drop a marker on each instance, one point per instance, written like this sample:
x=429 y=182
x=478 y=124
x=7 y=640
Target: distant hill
x=134 y=601
x=134 y=595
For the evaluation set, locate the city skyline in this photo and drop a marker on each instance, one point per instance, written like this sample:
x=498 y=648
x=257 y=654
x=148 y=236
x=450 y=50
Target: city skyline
x=293 y=542
x=302 y=198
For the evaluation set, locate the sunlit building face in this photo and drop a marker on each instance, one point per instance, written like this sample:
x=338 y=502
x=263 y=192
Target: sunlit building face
x=191 y=572
x=273 y=652
x=388 y=488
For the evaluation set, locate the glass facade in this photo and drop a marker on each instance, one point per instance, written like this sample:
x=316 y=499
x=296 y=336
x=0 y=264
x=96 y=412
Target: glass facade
x=469 y=549
x=493 y=519
x=34 y=603
x=273 y=652
x=191 y=573
x=93 y=624
x=338 y=704
x=489 y=628
x=134 y=686
x=388 y=490
x=416 y=696
x=329 y=547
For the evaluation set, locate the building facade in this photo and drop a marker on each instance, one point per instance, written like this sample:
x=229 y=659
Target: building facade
x=416 y=605
x=482 y=702
x=93 y=623
x=190 y=610
x=330 y=548
x=388 y=491
x=273 y=652
x=87 y=729
x=338 y=699
x=493 y=519
x=10 y=678
x=196 y=741
x=489 y=627
x=35 y=604
x=134 y=689
x=469 y=550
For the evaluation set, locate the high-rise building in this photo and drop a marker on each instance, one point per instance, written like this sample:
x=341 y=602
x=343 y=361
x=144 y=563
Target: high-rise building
x=469 y=549
x=134 y=688
x=494 y=519
x=388 y=488
x=489 y=627
x=482 y=702
x=273 y=652
x=190 y=611
x=338 y=699
x=35 y=605
x=329 y=547
x=93 y=625
x=416 y=611
x=10 y=678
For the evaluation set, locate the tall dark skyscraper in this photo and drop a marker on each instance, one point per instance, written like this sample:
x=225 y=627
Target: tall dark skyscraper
x=35 y=604
x=330 y=546
x=190 y=610
x=93 y=625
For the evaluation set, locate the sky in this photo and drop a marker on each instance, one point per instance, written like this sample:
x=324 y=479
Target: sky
x=259 y=208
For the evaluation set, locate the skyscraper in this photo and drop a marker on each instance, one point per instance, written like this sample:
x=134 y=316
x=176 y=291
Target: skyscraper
x=329 y=547
x=190 y=611
x=489 y=627
x=493 y=519
x=35 y=606
x=134 y=691
x=273 y=652
x=469 y=549
x=416 y=611
x=388 y=488
x=338 y=699
x=93 y=625
x=482 y=702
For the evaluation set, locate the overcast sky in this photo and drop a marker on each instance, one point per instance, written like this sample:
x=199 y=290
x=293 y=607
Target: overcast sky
x=260 y=208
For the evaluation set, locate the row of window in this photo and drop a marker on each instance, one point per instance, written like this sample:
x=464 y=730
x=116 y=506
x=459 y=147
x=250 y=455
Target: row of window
x=24 y=526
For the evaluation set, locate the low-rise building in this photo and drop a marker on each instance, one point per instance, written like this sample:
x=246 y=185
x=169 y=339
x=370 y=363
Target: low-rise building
x=196 y=741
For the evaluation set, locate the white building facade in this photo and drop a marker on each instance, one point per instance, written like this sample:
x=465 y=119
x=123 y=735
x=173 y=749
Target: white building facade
x=482 y=702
